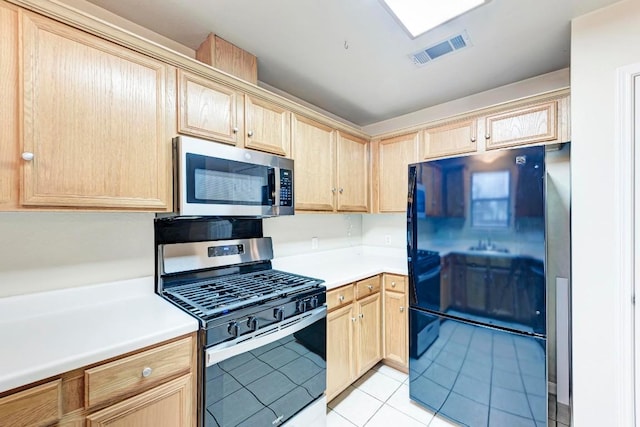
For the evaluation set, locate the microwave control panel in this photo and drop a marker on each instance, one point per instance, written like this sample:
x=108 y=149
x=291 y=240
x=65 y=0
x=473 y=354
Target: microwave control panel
x=286 y=187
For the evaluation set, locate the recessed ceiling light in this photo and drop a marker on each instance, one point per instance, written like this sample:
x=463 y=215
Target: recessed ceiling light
x=419 y=16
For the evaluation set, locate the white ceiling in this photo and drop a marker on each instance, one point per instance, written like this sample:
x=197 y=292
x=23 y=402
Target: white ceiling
x=301 y=47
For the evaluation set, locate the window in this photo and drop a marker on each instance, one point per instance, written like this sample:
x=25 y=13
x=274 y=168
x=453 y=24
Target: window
x=490 y=199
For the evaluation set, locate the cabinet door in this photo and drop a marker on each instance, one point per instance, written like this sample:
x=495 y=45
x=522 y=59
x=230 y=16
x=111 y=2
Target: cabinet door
x=395 y=327
x=340 y=350
x=432 y=179
x=37 y=406
x=454 y=194
x=369 y=343
x=168 y=405
x=394 y=157
x=313 y=151
x=208 y=110
x=97 y=118
x=528 y=125
x=267 y=127
x=452 y=138
x=353 y=177
x=478 y=280
x=9 y=155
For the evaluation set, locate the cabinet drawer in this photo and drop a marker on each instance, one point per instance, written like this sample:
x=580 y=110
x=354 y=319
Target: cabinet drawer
x=339 y=297
x=37 y=406
x=137 y=372
x=393 y=282
x=367 y=287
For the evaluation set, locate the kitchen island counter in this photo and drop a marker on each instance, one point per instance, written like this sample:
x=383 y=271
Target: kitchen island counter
x=48 y=333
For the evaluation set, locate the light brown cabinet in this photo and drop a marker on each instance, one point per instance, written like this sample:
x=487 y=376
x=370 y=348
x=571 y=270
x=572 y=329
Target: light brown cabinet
x=453 y=138
x=331 y=168
x=267 y=126
x=396 y=321
x=97 y=121
x=36 y=406
x=390 y=171
x=529 y=125
x=9 y=143
x=352 y=174
x=209 y=110
x=168 y=405
x=354 y=327
x=151 y=387
x=341 y=362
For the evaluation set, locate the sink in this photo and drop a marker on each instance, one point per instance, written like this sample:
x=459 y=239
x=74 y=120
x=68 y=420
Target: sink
x=489 y=249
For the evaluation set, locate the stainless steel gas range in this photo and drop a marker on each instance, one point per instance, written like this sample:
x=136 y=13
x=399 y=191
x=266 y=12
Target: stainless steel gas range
x=262 y=335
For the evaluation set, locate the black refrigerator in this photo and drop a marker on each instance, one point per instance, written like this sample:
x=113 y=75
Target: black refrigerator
x=476 y=258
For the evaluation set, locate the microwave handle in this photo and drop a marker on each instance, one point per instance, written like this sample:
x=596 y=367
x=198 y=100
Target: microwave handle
x=274 y=186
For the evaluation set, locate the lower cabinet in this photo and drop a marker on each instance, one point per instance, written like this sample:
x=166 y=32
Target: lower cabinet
x=354 y=333
x=153 y=387
x=166 y=405
x=396 y=321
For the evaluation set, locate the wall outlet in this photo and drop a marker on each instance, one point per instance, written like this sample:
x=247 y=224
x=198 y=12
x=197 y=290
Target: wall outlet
x=387 y=239
x=314 y=243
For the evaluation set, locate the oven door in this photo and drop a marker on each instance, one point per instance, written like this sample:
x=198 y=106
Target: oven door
x=266 y=378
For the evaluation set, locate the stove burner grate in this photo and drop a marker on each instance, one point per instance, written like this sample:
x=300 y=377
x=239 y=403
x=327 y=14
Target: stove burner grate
x=225 y=293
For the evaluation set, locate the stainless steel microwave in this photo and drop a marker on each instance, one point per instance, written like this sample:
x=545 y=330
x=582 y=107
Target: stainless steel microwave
x=212 y=179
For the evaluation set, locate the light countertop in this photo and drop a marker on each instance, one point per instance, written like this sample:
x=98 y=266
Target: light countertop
x=49 y=333
x=342 y=266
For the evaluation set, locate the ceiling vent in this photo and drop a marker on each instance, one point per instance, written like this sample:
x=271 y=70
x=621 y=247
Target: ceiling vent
x=450 y=45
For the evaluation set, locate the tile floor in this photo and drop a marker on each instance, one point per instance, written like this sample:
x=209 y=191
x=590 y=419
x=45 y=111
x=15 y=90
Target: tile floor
x=381 y=399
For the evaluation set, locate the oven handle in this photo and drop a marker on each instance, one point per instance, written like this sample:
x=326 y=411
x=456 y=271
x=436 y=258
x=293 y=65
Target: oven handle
x=259 y=338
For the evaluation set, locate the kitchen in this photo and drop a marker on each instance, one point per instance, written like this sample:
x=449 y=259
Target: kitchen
x=125 y=238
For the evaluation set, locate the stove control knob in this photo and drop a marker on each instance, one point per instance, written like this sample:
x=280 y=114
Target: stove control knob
x=313 y=302
x=252 y=323
x=302 y=306
x=233 y=329
x=278 y=314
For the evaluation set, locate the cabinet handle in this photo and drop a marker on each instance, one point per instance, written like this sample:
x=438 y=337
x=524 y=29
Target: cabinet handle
x=235 y=129
x=250 y=133
x=146 y=372
x=473 y=139
x=27 y=156
x=401 y=309
x=353 y=319
x=393 y=284
x=341 y=298
x=341 y=190
x=487 y=136
x=370 y=287
x=362 y=315
x=333 y=190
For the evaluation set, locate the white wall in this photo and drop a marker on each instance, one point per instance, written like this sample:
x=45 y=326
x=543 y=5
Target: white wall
x=376 y=228
x=292 y=235
x=43 y=251
x=601 y=42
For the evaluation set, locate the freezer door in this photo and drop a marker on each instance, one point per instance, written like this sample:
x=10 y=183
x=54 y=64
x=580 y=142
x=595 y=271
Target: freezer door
x=475 y=375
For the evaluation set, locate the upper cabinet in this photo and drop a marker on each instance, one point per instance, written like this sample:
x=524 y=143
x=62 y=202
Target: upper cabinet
x=9 y=144
x=331 y=168
x=267 y=126
x=529 y=125
x=217 y=112
x=209 y=110
x=97 y=121
x=391 y=171
x=314 y=163
x=352 y=179
x=453 y=138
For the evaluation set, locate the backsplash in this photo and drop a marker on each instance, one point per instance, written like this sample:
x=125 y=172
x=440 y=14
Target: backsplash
x=292 y=235
x=45 y=250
